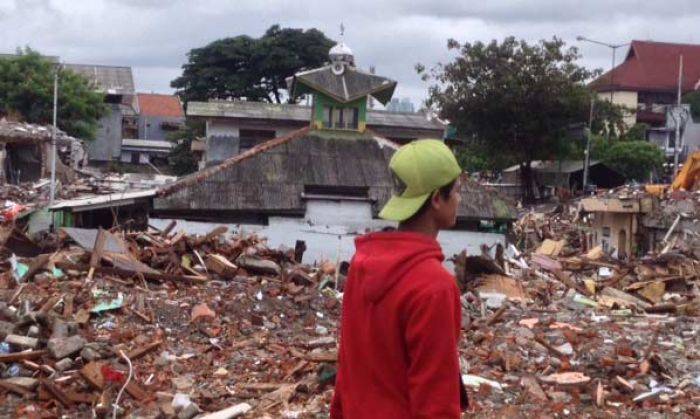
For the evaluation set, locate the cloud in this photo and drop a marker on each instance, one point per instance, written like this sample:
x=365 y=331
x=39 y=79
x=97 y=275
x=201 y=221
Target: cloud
x=154 y=36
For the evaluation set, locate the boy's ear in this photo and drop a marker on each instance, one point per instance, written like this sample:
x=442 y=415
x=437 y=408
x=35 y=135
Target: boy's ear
x=435 y=198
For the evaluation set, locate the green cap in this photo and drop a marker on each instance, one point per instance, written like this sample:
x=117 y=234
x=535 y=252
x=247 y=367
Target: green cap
x=419 y=169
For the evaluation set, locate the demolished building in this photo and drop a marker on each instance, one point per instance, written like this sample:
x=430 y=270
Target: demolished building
x=327 y=179
x=25 y=152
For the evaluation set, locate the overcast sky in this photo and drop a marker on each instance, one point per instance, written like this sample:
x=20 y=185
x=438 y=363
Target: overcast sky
x=154 y=36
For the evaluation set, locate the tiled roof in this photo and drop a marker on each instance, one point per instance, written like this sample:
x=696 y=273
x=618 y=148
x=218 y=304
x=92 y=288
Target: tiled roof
x=151 y=104
x=653 y=66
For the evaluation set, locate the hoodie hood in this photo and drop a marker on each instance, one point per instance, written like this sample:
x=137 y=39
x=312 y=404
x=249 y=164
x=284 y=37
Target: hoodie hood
x=382 y=260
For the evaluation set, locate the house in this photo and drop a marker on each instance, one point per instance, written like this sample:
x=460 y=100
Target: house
x=120 y=120
x=647 y=80
x=553 y=176
x=233 y=127
x=322 y=182
x=646 y=83
x=158 y=115
x=617 y=223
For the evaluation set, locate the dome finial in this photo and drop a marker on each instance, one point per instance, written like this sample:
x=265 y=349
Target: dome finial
x=341 y=53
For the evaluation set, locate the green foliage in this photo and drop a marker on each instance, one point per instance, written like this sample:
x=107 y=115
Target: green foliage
x=633 y=159
x=693 y=98
x=512 y=98
x=638 y=132
x=180 y=158
x=608 y=118
x=254 y=68
x=26 y=90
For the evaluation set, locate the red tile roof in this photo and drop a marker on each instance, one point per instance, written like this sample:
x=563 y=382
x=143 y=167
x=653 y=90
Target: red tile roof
x=151 y=104
x=653 y=66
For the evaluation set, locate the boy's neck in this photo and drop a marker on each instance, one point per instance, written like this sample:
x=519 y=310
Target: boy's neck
x=421 y=226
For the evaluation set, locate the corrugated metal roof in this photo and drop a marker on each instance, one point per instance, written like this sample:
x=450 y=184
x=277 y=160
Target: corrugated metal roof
x=107 y=79
x=287 y=112
x=554 y=166
x=103 y=201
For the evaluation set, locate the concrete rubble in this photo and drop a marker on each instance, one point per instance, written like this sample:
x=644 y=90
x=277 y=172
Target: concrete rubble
x=160 y=323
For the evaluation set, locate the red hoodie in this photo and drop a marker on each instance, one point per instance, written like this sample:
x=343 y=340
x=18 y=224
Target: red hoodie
x=400 y=325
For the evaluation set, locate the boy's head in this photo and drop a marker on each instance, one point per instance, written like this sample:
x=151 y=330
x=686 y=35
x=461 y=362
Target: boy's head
x=426 y=180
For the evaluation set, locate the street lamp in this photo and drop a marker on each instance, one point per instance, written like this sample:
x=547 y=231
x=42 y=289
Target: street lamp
x=614 y=48
x=52 y=193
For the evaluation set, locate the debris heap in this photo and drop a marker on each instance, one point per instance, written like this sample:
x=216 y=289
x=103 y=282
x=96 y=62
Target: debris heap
x=160 y=323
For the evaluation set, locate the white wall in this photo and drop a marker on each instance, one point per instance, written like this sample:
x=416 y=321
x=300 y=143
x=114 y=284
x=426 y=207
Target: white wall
x=329 y=229
x=222 y=128
x=624 y=98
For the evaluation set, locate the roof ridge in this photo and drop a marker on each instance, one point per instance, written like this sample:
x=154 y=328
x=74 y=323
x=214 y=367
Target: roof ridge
x=639 y=41
x=202 y=175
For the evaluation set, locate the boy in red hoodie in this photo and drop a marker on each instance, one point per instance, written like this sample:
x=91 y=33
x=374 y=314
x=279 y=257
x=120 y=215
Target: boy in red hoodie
x=401 y=309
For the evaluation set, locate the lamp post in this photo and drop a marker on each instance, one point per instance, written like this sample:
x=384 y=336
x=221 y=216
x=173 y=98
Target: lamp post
x=614 y=48
x=52 y=196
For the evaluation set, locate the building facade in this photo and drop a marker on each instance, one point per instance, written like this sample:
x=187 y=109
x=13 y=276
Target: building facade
x=327 y=178
x=646 y=83
x=120 y=120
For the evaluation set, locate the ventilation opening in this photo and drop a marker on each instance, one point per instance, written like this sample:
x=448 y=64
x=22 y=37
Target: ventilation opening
x=337 y=190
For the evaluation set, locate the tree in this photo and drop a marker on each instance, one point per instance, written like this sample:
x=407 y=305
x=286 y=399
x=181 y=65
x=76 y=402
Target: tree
x=180 y=157
x=512 y=98
x=635 y=160
x=26 y=90
x=251 y=68
x=693 y=99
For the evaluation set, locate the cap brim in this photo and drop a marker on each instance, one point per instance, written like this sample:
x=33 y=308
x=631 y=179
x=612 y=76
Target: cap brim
x=401 y=209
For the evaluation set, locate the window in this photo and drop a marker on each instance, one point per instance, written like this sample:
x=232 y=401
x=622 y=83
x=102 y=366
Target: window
x=340 y=118
x=350 y=118
x=606 y=231
x=327 y=111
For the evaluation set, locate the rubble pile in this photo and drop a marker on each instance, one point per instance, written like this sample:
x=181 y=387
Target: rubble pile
x=164 y=324
x=561 y=330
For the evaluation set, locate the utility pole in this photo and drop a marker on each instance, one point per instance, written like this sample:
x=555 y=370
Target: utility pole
x=53 y=137
x=587 y=153
x=678 y=117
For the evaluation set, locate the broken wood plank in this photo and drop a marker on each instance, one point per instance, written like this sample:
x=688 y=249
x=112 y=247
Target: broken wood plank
x=97 y=251
x=624 y=297
x=139 y=352
x=158 y=277
x=218 y=231
x=498 y=314
x=168 y=229
x=21 y=356
x=57 y=393
x=16 y=389
x=136 y=391
x=230 y=412
x=93 y=375
x=35 y=266
x=556 y=352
